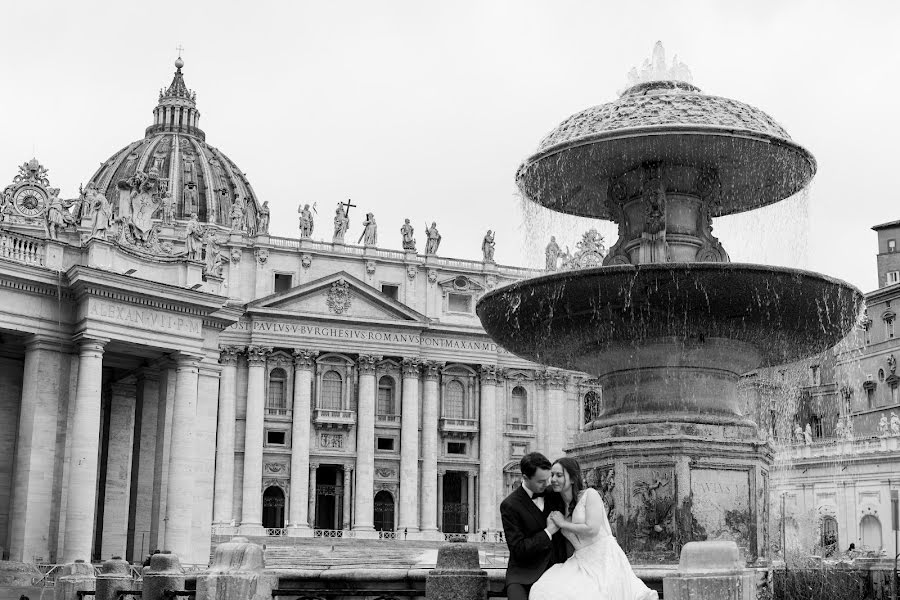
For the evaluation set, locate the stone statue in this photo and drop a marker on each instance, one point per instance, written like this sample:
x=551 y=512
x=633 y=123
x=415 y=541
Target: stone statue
x=892 y=364
x=369 y=236
x=848 y=429
x=138 y=202
x=190 y=198
x=409 y=242
x=306 y=221
x=168 y=206
x=341 y=224
x=807 y=435
x=213 y=255
x=840 y=431
x=434 y=239
x=193 y=238
x=57 y=214
x=237 y=214
x=883 y=428
x=262 y=218
x=102 y=211
x=487 y=246
x=895 y=424
x=552 y=254
x=798 y=433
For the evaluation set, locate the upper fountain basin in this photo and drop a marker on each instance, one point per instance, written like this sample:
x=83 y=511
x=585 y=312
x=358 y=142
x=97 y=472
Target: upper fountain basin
x=575 y=319
x=665 y=122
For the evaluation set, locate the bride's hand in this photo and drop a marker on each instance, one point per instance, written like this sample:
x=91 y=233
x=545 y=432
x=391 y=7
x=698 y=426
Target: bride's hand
x=557 y=518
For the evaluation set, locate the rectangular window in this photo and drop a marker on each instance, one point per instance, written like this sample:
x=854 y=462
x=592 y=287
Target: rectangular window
x=889 y=328
x=390 y=290
x=892 y=245
x=456 y=447
x=460 y=303
x=816 y=375
x=275 y=438
x=893 y=277
x=385 y=444
x=283 y=282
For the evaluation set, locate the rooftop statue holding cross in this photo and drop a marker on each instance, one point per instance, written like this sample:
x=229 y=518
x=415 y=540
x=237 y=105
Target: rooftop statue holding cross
x=341 y=221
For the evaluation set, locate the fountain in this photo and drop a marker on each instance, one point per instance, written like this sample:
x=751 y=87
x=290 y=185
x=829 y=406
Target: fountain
x=668 y=324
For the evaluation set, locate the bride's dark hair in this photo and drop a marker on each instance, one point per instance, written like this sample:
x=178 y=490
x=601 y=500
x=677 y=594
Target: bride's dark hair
x=571 y=466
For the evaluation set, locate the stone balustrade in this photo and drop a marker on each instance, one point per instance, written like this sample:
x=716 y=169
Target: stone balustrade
x=22 y=248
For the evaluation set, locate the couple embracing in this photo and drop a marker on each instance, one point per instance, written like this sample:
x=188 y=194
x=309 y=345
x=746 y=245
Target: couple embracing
x=560 y=543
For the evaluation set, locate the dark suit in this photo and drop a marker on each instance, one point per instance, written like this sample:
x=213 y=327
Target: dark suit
x=531 y=551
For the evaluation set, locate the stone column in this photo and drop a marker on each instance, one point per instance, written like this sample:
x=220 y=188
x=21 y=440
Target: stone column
x=142 y=465
x=82 y=486
x=35 y=452
x=430 y=486
x=312 y=495
x=117 y=496
x=364 y=503
x=440 y=500
x=179 y=492
x=470 y=500
x=251 y=517
x=304 y=364
x=203 y=464
x=223 y=502
x=556 y=414
x=167 y=378
x=489 y=471
x=348 y=479
x=409 y=448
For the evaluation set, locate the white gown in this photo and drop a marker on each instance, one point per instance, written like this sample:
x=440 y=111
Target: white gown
x=599 y=569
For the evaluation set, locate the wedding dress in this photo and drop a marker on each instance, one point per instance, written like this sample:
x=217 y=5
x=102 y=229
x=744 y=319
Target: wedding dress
x=599 y=569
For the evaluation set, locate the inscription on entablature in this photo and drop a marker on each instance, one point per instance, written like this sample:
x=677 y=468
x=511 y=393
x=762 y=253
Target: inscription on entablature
x=144 y=318
x=353 y=334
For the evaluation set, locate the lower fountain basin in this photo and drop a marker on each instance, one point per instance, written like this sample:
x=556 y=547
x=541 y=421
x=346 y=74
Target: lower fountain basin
x=584 y=319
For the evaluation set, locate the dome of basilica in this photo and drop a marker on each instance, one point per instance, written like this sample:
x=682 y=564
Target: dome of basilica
x=200 y=177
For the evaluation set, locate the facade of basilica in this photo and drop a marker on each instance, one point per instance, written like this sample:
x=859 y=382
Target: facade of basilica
x=169 y=369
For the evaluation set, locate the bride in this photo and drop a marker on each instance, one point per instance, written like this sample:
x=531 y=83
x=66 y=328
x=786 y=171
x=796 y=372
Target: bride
x=599 y=568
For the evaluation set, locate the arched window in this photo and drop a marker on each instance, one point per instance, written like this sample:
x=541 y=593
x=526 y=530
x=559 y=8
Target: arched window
x=815 y=424
x=454 y=402
x=386 y=396
x=591 y=407
x=277 y=383
x=870 y=532
x=829 y=529
x=332 y=390
x=518 y=409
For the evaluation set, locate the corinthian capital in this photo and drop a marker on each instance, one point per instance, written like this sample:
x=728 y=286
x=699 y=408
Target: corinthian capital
x=304 y=359
x=554 y=379
x=228 y=355
x=256 y=355
x=490 y=374
x=432 y=369
x=411 y=367
x=367 y=363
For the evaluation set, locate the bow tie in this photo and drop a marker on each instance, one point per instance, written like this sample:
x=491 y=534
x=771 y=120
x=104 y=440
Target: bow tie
x=536 y=495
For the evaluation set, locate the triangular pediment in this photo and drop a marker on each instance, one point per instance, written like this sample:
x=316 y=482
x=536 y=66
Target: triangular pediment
x=339 y=295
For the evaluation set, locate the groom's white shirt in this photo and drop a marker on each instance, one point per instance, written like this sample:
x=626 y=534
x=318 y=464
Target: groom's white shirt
x=539 y=502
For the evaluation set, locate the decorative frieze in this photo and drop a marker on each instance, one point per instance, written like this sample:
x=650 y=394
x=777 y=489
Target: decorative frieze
x=555 y=380
x=384 y=473
x=412 y=271
x=257 y=355
x=305 y=359
x=306 y=260
x=262 y=255
x=370 y=267
x=331 y=440
x=275 y=467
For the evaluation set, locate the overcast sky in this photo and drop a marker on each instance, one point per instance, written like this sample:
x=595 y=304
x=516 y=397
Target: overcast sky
x=425 y=109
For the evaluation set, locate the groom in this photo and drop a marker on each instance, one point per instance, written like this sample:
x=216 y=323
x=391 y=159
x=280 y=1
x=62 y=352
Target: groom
x=534 y=544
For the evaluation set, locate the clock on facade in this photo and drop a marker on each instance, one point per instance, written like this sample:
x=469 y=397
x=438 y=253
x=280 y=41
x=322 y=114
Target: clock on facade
x=30 y=201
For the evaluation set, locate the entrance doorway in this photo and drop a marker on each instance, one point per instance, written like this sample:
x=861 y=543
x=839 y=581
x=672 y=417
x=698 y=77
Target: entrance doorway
x=273 y=508
x=384 y=511
x=455 y=512
x=329 y=497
